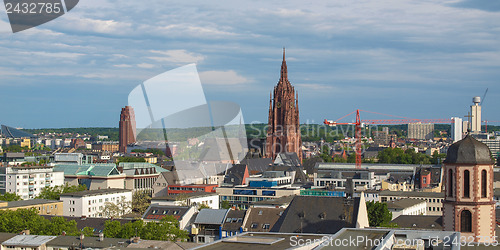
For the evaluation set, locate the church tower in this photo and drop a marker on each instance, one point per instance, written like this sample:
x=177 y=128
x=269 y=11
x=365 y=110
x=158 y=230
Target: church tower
x=283 y=132
x=468 y=206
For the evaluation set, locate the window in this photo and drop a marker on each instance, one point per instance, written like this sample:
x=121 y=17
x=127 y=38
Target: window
x=466 y=184
x=265 y=226
x=254 y=225
x=260 y=212
x=465 y=221
x=228 y=220
x=450 y=183
x=176 y=212
x=155 y=211
x=165 y=211
x=484 y=183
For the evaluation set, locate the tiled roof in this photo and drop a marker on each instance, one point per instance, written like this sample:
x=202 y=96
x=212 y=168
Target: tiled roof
x=468 y=151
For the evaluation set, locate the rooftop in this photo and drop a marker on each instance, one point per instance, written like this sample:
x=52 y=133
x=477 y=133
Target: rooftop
x=184 y=195
x=211 y=216
x=28 y=240
x=412 y=194
x=468 y=151
x=25 y=203
x=403 y=203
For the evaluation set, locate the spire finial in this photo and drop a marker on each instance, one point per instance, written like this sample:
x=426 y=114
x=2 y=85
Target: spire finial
x=283 y=53
x=284 y=73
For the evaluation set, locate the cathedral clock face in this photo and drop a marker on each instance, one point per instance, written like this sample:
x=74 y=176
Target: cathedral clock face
x=278 y=104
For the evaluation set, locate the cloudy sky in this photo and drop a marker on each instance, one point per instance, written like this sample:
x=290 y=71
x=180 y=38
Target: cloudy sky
x=419 y=59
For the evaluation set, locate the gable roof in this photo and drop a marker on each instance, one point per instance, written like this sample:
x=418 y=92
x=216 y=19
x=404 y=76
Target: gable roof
x=257 y=165
x=211 y=216
x=313 y=214
x=234 y=220
x=258 y=216
x=236 y=174
x=287 y=159
x=157 y=212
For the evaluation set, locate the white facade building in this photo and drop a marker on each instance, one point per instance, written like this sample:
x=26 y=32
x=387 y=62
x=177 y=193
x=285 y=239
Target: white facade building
x=407 y=207
x=194 y=199
x=91 y=203
x=456 y=129
x=28 y=182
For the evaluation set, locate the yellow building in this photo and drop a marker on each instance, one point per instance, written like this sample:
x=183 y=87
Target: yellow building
x=44 y=207
x=26 y=142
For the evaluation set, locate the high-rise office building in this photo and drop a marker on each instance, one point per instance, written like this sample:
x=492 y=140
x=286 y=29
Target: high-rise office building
x=283 y=133
x=456 y=129
x=475 y=113
x=127 y=128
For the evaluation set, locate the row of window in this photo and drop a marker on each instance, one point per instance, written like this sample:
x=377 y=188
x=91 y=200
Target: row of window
x=467 y=183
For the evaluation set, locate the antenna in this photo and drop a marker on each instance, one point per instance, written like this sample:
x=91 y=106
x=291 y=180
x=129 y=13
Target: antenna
x=484 y=96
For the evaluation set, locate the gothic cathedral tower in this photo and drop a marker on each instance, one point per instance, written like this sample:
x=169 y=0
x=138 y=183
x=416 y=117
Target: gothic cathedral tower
x=283 y=132
x=468 y=206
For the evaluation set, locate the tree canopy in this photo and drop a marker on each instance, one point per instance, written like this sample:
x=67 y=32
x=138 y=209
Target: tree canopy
x=400 y=156
x=10 y=197
x=54 y=193
x=166 y=229
x=15 y=221
x=378 y=214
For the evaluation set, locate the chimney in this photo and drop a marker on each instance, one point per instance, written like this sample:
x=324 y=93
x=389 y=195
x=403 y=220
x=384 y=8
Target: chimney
x=101 y=237
x=82 y=236
x=25 y=232
x=63 y=233
x=136 y=239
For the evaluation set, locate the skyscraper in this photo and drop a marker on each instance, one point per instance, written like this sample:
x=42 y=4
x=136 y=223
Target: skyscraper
x=127 y=128
x=456 y=129
x=475 y=112
x=283 y=132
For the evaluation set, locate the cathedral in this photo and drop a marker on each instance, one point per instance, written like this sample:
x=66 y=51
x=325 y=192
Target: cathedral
x=468 y=206
x=283 y=132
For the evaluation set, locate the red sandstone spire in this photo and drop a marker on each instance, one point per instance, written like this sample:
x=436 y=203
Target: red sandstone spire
x=284 y=71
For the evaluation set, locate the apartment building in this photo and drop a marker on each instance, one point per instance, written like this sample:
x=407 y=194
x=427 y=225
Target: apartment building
x=28 y=181
x=90 y=203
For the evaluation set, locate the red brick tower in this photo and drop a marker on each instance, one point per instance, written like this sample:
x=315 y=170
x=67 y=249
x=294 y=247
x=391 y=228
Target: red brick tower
x=283 y=133
x=127 y=128
x=468 y=206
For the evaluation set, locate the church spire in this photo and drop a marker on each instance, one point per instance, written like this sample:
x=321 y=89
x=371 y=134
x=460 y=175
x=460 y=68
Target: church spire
x=284 y=71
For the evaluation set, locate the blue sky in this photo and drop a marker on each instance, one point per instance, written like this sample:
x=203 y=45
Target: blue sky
x=419 y=59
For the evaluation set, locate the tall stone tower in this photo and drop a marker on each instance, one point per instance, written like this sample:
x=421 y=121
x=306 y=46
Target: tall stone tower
x=127 y=128
x=283 y=132
x=468 y=206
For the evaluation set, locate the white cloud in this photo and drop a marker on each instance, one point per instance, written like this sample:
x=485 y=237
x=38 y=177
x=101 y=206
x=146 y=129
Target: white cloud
x=145 y=65
x=229 y=77
x=122 y=65
x=176 y=56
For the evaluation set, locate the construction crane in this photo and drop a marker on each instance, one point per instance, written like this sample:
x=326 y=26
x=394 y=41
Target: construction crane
x=360 y=123
x=357 y=133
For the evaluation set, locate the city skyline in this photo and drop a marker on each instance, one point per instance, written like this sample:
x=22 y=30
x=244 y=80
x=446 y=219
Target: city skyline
x=413 y=59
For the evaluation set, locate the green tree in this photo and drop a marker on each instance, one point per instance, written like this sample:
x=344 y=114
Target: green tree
x=202 y=206
x=54 y=193
x=131 y=229
x=130 y=159
x=10 y=197
x=225 y=205
x=88 y=231
x=166 y=229
x=140 y=202
x=378 y=214
x=112 y=228
x=117 y=209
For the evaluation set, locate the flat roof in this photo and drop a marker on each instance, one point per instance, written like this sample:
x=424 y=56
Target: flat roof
x=95 y=192
x=262 y=241
x=24 y=203
x=28 y=240
x=412 y=194
x=403 y=203
x=185 y=195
